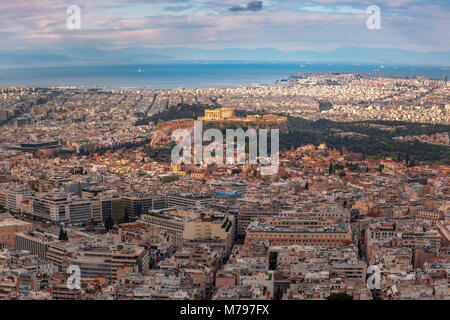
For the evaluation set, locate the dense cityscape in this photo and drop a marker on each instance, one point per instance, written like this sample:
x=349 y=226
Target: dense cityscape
x=87 y=190
x=224 y=159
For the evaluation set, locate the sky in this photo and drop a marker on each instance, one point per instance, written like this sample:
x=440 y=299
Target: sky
x=322 y=25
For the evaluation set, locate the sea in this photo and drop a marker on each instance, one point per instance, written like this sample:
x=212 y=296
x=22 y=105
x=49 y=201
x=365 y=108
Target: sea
x=191 y=74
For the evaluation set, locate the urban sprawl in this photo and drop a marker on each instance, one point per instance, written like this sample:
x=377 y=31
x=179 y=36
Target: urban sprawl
x=81 y=189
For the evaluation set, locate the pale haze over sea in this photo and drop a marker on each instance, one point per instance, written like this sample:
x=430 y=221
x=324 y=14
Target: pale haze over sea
x=190 y=75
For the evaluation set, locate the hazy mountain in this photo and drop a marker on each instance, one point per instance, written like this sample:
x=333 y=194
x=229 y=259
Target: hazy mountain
x=155 y=55
x=19 y=58
x=344 y=54
x=78 y=56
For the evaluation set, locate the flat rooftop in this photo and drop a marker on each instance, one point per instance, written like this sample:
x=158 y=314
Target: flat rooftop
x=13 y=222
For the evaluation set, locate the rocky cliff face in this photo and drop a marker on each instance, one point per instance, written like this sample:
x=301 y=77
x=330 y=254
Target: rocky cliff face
x=164 y=130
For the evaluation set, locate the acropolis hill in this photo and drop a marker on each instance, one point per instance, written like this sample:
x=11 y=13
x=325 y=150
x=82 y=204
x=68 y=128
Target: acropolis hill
x=218 y=117
x=225 y=115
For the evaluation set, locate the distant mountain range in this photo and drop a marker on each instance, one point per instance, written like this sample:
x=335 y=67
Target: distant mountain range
x=160 y=55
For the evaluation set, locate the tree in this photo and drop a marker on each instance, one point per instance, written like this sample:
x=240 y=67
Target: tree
x=330 y=169
x=411 y=163
x=171 y=178
x=109 y=223
x=63 y=235
x=339 y=296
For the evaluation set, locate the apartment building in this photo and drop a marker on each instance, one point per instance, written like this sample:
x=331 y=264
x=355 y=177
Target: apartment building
x=217 y=232
x=193 y=227
x=430 y=215
x=13 y=194
x=62 y=292
x=171 y=221
x=378 y=233
x=59 y=254
x=353 y=270
x=431 y=238
x=129 y=255
x=94 y=263
x=188 y=200
x=248 y=214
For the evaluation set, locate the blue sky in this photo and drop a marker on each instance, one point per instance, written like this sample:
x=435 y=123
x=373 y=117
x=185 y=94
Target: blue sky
x=320 y=25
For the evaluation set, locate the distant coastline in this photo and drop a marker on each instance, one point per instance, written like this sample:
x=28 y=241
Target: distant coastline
x=203 y=74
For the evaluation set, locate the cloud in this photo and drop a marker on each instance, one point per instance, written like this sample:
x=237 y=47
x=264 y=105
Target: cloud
x=319 y=25
x=251 y=6
x=178 y=8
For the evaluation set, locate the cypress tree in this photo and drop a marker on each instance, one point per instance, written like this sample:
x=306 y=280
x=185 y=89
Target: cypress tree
x=61 y=234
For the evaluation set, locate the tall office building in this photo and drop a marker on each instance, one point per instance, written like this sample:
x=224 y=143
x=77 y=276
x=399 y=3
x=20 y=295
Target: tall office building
x=51 y=206
x=79 y=211
x=113 y=208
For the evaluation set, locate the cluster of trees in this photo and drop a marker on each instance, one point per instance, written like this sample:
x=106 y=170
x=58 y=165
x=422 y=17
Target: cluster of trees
x=333 y=168
x=372 y=143
x=63 y=235
x=180 y=111
x=325 y=105
x=87 y=150
x=160 y=154
x=171 y=178
x=109 y=223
